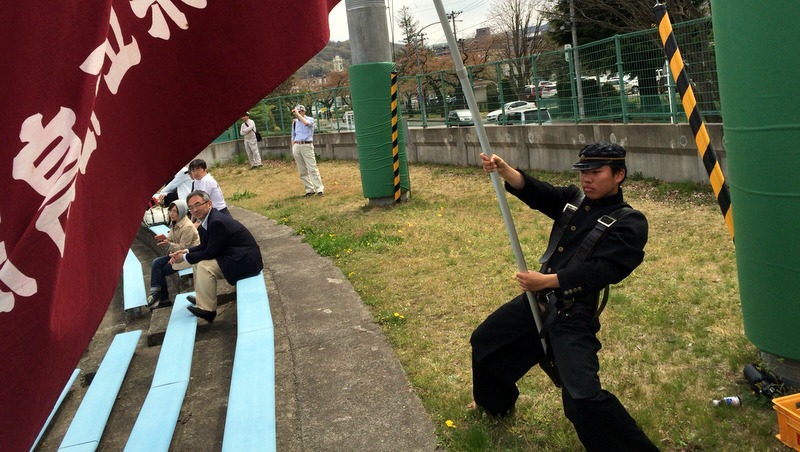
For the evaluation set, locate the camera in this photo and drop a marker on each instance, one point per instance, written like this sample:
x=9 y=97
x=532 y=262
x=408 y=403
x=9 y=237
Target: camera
x=762 y=382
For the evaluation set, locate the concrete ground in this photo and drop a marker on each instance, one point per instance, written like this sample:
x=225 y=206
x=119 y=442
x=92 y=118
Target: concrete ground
x=339 y=385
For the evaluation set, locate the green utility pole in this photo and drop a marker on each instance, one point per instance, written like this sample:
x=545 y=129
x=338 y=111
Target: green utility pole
x=371 y=94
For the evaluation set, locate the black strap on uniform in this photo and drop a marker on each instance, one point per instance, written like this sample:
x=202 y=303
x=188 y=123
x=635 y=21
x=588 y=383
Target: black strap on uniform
x=590 y=242
x=584 y=251
x=563 y=223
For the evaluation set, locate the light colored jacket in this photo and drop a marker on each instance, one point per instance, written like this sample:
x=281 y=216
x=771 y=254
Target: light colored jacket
x=182 y=235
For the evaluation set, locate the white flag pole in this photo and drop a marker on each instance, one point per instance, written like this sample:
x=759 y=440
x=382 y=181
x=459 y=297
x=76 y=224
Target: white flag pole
x=499 y=190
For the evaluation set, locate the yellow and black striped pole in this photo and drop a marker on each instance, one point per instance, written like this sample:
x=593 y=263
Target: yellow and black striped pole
x=693 y=114
x=395 y=140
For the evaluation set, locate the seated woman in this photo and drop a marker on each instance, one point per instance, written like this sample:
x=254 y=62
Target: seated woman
x=182 y=234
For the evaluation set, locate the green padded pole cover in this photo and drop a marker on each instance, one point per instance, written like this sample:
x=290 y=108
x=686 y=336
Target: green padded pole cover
x=758 y=67
x=371 y=93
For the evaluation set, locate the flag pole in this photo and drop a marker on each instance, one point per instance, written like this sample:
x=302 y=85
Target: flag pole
x=499 y=190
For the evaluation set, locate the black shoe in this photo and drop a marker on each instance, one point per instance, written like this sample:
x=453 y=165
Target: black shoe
x=191 y=299
x=309 y=194
x=162 y=303
x=208 y=316
x=152 y=300
x=320 y=194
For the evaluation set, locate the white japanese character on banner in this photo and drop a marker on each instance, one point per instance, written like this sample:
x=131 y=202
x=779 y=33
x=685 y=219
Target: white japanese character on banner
x=49 y=163
x=15 y=280
x=159 y=28
x=128 y=56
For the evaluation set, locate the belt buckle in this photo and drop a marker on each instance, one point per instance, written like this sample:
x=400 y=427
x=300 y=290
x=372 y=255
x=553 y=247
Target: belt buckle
x=544 y=299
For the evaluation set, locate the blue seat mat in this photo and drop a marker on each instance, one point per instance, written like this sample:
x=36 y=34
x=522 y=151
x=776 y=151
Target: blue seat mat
x=250 y=420
x=134 y=292
x=92 y=414
x=252 y=304
x=156 y=422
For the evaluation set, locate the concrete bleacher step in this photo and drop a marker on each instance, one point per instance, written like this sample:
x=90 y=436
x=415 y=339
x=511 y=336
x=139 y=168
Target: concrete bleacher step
x=90 y=419
x=156 y=421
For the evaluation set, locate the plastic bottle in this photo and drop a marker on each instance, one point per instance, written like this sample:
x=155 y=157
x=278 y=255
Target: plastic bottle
x=731 y=401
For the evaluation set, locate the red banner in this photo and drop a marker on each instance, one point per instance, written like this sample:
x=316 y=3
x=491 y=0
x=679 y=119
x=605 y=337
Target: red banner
x=103 y=101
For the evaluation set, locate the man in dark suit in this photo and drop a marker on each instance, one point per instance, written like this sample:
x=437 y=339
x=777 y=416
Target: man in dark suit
x=226 y=250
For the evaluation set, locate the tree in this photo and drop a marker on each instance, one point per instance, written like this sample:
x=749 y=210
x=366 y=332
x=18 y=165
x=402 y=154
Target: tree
x=335 y=94
x=407 y=57
x=599 y=19
x=519 y=26
x=285 y=88
x=413 y=57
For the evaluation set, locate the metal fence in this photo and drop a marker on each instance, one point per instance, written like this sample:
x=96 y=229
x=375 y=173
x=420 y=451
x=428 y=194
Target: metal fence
x=622 y=79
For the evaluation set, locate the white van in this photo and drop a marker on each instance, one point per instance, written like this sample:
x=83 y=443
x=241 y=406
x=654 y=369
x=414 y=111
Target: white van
x=526 y=116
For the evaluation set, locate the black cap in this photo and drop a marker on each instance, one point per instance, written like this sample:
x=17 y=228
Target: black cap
x=599 y=154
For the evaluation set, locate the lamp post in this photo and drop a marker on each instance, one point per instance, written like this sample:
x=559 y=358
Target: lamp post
x=577 y=62
x=420 y=95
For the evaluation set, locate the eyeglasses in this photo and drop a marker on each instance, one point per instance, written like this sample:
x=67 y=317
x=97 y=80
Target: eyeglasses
x=197 y=205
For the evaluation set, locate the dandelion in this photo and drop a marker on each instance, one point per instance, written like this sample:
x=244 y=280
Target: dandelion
x=450 y=423
x=399 y=231
x=350 y=275
x=397 y=314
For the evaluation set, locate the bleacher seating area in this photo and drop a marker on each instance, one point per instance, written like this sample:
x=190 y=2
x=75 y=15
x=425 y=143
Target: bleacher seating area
x=250 y=417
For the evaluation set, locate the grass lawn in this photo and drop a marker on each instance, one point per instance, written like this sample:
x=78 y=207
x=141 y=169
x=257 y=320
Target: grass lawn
x=433 y=268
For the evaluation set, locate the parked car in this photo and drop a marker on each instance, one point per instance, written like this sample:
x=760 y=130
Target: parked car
x=631 y=84
x=509 y=106
x=527 y=116
x=545 y=89
x=459 y=118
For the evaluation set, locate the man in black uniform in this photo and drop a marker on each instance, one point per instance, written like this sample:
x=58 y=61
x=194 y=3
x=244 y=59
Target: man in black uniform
x=574 y=272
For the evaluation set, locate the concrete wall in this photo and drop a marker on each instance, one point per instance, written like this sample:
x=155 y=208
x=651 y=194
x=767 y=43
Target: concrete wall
x=663 y=151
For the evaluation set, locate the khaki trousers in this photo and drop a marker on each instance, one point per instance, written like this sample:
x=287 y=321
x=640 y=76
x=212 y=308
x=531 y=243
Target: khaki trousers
x=307 y=167
x=253 y=153
x=206 y=274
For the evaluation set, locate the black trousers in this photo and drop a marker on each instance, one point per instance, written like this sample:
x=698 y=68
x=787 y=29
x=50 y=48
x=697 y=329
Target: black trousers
x=505 y=347
x=159 y=270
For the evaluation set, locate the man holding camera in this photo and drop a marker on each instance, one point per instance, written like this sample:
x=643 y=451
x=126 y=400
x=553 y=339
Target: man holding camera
x=303 y=152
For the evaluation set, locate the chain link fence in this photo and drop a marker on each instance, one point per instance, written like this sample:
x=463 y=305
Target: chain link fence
x=620 y=79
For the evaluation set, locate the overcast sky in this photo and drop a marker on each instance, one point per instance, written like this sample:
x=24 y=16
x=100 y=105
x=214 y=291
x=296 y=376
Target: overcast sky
x=473 y=16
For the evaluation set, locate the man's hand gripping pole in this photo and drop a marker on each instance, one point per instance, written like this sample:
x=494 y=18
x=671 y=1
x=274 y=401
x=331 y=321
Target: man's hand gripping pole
x=547 y=363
